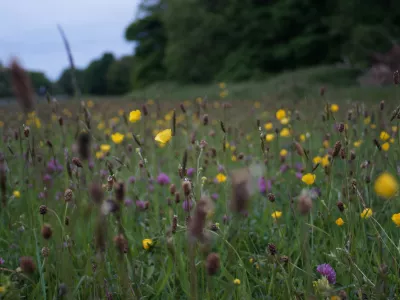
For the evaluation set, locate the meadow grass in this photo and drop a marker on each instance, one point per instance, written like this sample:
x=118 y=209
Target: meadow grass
x=241 y=199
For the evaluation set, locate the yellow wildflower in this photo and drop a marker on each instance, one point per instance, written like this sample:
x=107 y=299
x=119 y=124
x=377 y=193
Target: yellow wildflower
x=216 y=104
x=357 y=143
x=284 y=121
x=3 y=289
x=325 y=161
x=325 y=143
x=17 y=194
x=373 y=126
x=101 y=126
x=135 y=115
x=222 y=85
x=164 y=136
x=220 y=177
x=121 y=112
x=105 y=147
x=367 y=120
x=339 y=222
x=269 y=137
x=1 y=124
x=236 y=281
x=308 y=178
x=99 y=154
x=283 y=152
x=223 y=94
x=385 y=146
x=117 y=137
x=257 y=104
x=302 y=138
x=366 y=213
x=285 y=132
x=38 y=123
x=384 y=136
x=147 y=243
x=396 y=219
x=234 y=158
x=317 y=160
x=280 y=114
x=391 y=140
x=90 y=104
x=394 y=128
x=150 y=102
x=334 y=108
x=268 y=126
x=276 y=214
x=386 y=185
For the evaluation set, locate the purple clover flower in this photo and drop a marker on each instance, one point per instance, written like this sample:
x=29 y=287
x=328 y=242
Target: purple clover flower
x=187 y=205
x=163 y=179
x=141 y=205
x=283 y=168
x=128 y=202
x=214 y=196
x=327 y=271
x=132 y=179
x=262 y=185
x=190 y=172
x=2 y=261
x=299 y=175
x=54 y=166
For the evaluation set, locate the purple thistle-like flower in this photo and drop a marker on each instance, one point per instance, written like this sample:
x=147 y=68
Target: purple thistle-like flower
x=2 y=261
x=214 y=196
x=54 y=166
x=299 y=175
x=103 y=173
x=128 y=202
x=187 y=205
x=284 y=168
x=141 y=205
x=190 y=172
x=262 y=185
x=221 y=168
x=132 y=179
x=163 y=179
x=299 y=167
x=327 y=271
x=150 y=188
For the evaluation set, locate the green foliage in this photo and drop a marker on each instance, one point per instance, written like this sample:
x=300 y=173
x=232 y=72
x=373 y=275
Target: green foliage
x=96 y=75
x=118 y=76
x=64 y=83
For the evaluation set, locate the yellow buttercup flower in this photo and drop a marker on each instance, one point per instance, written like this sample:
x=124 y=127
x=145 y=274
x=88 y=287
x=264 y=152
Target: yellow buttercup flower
x=150 y=102
x=3 y=289
x=17 y=194
x=236 y=281
x=257 y=104
x=101 y=126
x=334 y=108
x=284 y=121
x=135 y=115
x=357 y=143
x=325 y=161
x=234 y=158
x=366 y=213
x=325 y=143
x=302 y=137
x=117 y=137
x=220 y=177
x=38 y=123
x=394 y=128
x=373 y=126
x=384 y=136
x=1 y=124
x=99 y=154
x=308 y=178
x=222 y=85
x=105 y=147
x=339 y=222
x=386 y=185
x=285 y=132
x=268 y=126
x=269 y=137
x=90 y=104
x=276 y=214
x=280 y=114
x=367 y=120
x=147 y=244
x=317 y=160
x=164 y=136
x=396 y=219
x=283 y=152
x=385 y=146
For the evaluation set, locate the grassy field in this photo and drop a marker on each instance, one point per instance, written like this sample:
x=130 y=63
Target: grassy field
x=268 y=190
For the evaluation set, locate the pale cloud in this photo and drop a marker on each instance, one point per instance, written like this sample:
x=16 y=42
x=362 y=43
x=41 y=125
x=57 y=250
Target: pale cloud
x=28 y=30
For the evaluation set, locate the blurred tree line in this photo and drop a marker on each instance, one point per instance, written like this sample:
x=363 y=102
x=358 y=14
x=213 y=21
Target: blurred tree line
x=201 y=41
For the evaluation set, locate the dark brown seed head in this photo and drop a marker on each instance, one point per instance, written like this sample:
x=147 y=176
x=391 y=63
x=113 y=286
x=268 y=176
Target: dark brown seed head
x=304 y=204
x=367 y=179
x=272 y=249
x=241 y=156
x=240 y=190
x=177 y=197
x=172 y=189
x=83 y=146
x=340 y=206
x=77 y=162
x=343 y=295
x=43 y=209
x=96 y=192
x=322 y=91
x=212 y=263
x=198 y=222
x=68 y=195
x=396 y=77
x=382 y=105
x=182 y=108
x=299 y=149
x=45 y=251
x=205 y=120
x=284 y=259
x=61 y=121
x=187 y=188
x=120 y=191
x=121 y=243
x=47 y=232
x=349 y=115
x=271 y=197
x=26 y=131
x=144 y=110
x=342 y=153
x=49 y=144
x=336 y=148
x=66 y=221
x=214 y=227
x=340 y=127
x=174 y=223
x=27 y=265
x=352 y=155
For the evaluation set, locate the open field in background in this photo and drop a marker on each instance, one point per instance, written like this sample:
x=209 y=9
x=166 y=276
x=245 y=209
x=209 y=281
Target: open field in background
x=99 y=201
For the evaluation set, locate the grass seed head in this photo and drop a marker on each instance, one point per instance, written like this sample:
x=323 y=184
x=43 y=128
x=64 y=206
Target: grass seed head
x=213 y=264
x=68 y=195
x=46 y=231
x=43 y=209
x=22 y=86
x=27 y=265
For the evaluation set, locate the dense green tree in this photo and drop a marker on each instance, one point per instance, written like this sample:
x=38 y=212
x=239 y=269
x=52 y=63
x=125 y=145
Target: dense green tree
x=96 y=75
x=118 y=76
x=64 y=83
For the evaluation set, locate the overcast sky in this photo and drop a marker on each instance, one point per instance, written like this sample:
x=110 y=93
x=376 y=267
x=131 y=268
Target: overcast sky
x=28 y=30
